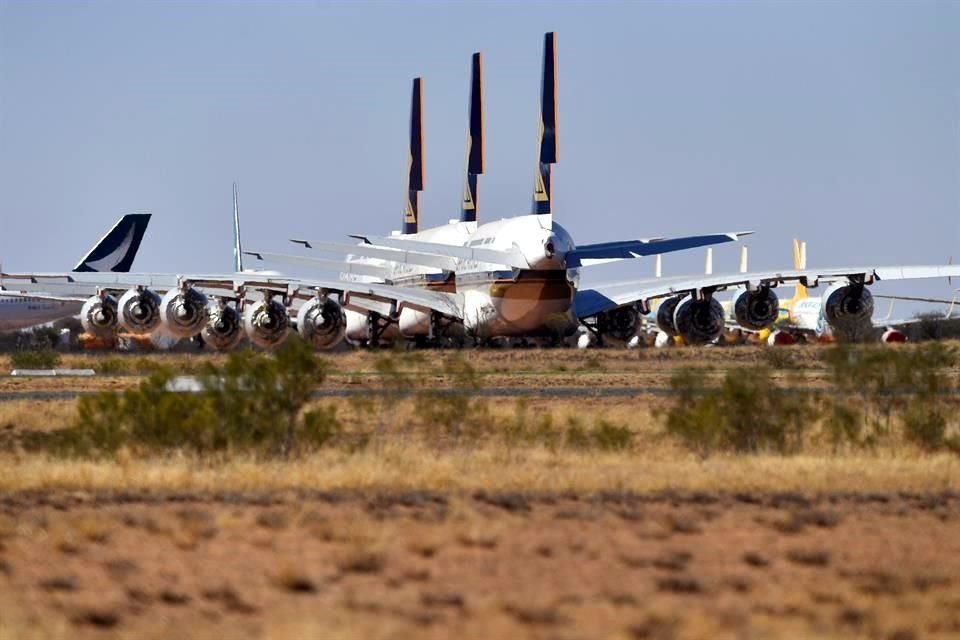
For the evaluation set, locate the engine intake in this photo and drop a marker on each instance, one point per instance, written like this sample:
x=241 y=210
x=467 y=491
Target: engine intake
x=757 y=309
x=849 y=308
x=184 y=312
x=224 y=329
x=699 y=321
x=266 y=323
x=99 y=316
x=665 y=314
x=621 y=323
x=322 y=323
x=139 y=311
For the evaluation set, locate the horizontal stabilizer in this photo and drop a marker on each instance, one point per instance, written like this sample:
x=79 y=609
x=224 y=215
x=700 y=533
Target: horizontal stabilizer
x=511 y=259
x=368 y=250
x=627 y=249
x=343 y=266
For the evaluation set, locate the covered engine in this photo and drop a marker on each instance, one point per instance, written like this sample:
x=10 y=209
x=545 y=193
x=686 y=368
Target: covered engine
x=757 y=309
x=699 y=321
x=665 y=313
x=183 y=313
x=621 y=323
x=322 y=323
x=266 y=323
x=224 y=328
x=848 y=308
x=139 y=311
x=98 y=315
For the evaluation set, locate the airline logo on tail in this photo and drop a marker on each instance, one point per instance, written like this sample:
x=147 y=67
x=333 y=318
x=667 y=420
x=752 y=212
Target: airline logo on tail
x=468 y=208
x=117 y=249
x=547 y=133
x=411 y=213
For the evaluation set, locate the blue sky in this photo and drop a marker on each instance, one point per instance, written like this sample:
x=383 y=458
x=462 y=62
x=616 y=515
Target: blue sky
x=838 y=122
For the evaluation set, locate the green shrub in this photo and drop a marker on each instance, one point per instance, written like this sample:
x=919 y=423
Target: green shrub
x=35 y=358
x=253 y=403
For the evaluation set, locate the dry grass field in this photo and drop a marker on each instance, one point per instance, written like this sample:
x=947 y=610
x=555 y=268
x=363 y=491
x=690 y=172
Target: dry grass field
x=423 y=533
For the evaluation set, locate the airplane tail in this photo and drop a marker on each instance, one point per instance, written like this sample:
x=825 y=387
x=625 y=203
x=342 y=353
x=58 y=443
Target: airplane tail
x=411 y=215
x=116 y=250
x=237 y=250
x=542 y=191
x=475 y=144
x=799 y=262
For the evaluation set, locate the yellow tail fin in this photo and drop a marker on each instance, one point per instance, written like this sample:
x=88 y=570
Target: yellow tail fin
x=799 y=262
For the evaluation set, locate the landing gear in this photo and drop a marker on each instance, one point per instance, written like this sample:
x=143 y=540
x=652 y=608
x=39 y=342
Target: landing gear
x=376 y=326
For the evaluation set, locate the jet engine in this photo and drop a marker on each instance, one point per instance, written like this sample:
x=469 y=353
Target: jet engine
x=139 y=311
x=621 y=323
x=322 y=323
x=665 y=313
x=266 y=323
x=757 y=309
x=224 y=328
x=848 y=308
x=699 y=321
x=183 y=312
x=98 y=315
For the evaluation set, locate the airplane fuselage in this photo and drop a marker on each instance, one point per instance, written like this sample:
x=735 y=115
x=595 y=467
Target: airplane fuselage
x=20 y=312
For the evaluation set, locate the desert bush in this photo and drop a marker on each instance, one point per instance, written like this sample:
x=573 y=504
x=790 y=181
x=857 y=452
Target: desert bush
x=456 y=409
x=44 y=357
x=747 y=413
x=254 y=403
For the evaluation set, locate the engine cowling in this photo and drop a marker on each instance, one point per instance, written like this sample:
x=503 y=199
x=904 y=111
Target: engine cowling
x=665 y=314
x=224 y=329
x=757 y=309
x=891 y=335
x=621 y=323
x=848 y=308
x=699 y=321
x=266 y=323
x=184 y=313
x=322 y=323
x=98 y=315
x=139 y=311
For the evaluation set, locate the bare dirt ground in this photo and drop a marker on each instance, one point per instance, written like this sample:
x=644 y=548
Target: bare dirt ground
x=420 y=564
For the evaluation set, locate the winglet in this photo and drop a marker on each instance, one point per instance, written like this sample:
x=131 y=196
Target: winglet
x=659 y=266
x=475 y=142
x=743 y=259
x=255 y=254
x=116 y=250
x=708 y=265
x=306 y=243
x=547 y=133
x=237 y=251
x=411 y=214
x=361 y=238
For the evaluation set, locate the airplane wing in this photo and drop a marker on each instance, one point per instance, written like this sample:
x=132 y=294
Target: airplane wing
x=435 y=261
x=343 y=266
x=229 y=285
x=627 y=249
x=513 y=259
x=591 y=301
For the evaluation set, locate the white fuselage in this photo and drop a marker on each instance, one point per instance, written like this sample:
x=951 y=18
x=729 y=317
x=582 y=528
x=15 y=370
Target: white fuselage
x=20 y=311
x=498 y=301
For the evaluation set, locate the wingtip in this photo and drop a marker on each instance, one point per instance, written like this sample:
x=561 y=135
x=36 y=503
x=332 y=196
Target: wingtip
x=305 y=243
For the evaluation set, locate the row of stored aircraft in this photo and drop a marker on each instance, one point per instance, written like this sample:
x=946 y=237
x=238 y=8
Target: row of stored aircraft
x=512 y=277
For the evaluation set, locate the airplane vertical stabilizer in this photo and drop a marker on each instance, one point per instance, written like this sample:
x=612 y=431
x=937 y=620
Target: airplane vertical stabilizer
x=799 y=262
x=547 y=152
x=411 y=215
x=237 y=249
x=116 y=250
x=475 y=142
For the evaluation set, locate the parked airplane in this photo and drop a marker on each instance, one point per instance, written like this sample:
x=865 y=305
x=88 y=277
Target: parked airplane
x=516 y=276
x=114 y=252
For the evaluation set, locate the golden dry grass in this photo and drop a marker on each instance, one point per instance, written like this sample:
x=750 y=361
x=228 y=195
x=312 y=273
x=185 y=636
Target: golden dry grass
x=495 y=467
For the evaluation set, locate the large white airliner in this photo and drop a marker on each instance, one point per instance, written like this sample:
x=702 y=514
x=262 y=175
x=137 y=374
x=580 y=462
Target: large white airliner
x=114 y=252
x=513 y=277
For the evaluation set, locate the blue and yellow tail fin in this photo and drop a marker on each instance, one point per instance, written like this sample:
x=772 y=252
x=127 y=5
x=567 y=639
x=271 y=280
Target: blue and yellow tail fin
x=547 y=152
x=475 y=143
x=411 y=214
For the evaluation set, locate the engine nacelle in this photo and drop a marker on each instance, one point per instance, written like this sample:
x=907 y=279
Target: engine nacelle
x=699 y=321
x=266 y=323
x=139 y=311
x=757 y=309
x=848 y=308
x=891 y=335
x=183 y=313
x=224 y=329
x=322 y=323
x=621 y=323
x=98 y=315
x=665 y=314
